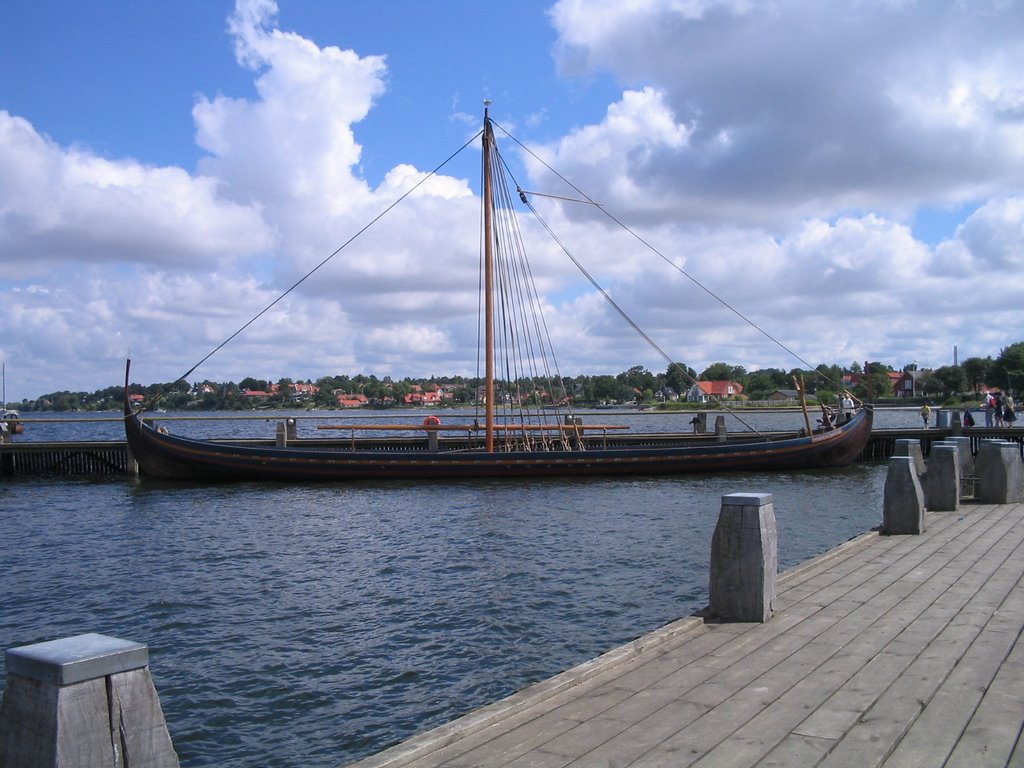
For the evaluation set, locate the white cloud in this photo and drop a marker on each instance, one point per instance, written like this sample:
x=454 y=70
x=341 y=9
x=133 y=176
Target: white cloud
x=777 y=152
x=69 y=205
x=798 y=109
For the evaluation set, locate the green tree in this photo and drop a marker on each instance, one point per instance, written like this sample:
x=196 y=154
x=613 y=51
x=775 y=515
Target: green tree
x=1007 y=370
x=637 y=378
x=258 y=385
x=724 y=372
x=977 y=372
x=610 y=389
x=829 y=377
x=763 y=382
x=680 y=377
x=285 y=388
x=949 y=380
x=875 y=386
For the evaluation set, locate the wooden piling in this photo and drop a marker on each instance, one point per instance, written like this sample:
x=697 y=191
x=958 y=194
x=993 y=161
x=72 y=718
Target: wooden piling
x=82 y=702
x=744 y=558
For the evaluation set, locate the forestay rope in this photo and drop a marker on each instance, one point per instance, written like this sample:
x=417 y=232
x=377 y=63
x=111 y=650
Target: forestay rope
x=519 y=268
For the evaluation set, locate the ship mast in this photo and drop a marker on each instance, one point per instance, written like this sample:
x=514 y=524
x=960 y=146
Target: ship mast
x=488 y=200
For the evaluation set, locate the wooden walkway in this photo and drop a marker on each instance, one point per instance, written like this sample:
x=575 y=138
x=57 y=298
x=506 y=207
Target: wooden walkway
x=887 y=651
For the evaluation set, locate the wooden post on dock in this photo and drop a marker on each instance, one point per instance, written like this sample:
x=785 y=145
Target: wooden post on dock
x=744 y=558
x=82 y=702
x=702 y=423
x=720 y=433
x=903 y=499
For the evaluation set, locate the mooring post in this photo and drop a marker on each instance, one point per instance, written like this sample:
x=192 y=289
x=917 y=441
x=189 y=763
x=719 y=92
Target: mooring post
x=1000 y=472
x=942 y=480
x=903 y=498
x=957 y=426
x=912 y=448
x=700 y=426
x=963 y=445
x=744 y=558
x=720 y=433
x=86 y=701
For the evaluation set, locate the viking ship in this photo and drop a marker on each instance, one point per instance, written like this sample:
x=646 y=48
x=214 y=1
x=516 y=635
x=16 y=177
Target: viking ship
x=520 y=434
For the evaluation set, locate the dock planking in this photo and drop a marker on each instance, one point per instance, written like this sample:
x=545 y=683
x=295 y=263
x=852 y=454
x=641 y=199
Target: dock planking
x=886 y=651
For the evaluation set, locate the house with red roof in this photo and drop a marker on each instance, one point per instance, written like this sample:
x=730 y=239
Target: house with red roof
x=352 y=401
x=705 y=391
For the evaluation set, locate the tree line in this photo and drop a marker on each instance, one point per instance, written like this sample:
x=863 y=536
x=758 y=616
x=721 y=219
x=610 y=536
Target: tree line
x=636 y=384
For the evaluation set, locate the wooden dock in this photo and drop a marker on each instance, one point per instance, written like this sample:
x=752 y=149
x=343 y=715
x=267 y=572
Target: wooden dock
x=886 y=651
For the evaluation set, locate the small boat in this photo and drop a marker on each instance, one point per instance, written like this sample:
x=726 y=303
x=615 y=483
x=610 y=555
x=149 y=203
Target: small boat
x=10 y=420
x=512 y=442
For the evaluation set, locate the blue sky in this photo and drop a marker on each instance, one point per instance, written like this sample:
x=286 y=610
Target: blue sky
x=850 y=175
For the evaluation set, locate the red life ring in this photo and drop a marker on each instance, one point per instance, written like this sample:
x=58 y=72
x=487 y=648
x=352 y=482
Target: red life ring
x=431 y=421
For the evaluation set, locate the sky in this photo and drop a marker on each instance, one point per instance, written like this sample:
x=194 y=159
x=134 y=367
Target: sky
x=846 y=175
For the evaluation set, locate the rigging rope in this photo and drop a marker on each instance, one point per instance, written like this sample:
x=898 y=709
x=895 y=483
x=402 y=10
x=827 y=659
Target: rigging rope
x=323 y=262
x=529 y=363
x=517 y=274
x=590 y=201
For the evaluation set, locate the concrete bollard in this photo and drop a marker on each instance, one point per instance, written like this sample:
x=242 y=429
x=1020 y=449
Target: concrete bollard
x=86 y=701
x=903 y=505
x=911 y=448
x=1000 y=472
x=942 y=480
x=744 y=558
x=720 y=433
x=963 y=446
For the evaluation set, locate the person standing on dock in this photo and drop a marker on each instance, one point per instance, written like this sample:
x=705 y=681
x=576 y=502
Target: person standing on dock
x=926 y=411
x=1009 y=415
x=990 y=407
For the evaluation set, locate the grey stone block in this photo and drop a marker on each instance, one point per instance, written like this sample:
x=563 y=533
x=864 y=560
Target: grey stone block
x=942 y=480
x=903 y=501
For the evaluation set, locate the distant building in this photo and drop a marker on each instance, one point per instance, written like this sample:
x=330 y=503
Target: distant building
x=667 y=394
x=352 y=401
x=431 y=395
x=705 y=391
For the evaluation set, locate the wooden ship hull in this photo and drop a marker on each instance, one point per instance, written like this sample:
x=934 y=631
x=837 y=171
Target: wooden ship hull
x=169 y=456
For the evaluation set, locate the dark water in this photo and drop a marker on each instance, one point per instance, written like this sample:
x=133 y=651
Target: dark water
x=311 y=626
